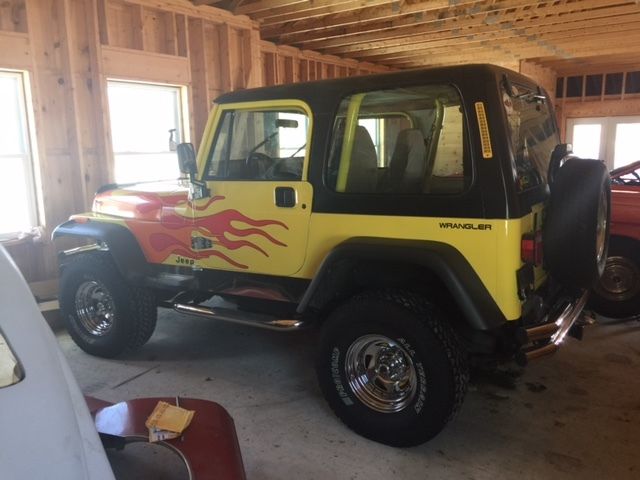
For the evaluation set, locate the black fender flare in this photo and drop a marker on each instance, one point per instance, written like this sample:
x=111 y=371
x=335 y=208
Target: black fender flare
x=118 y=240
x=445 y=261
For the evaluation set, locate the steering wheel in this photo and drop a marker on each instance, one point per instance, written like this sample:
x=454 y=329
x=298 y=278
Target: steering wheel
x=257 y=164
x=276 y=172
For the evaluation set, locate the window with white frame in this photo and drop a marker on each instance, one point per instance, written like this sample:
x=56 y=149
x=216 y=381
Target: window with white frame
x=18 y=212
x=147 y=120
x=612 y=139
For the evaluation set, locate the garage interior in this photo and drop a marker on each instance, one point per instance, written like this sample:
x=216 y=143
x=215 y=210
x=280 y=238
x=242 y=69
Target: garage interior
x=74 y=67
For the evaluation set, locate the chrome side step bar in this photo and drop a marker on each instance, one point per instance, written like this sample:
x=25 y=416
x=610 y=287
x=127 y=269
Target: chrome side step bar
x=240 y=317
x=552 y=332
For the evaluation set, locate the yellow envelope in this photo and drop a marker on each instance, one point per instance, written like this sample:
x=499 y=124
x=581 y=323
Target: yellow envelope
x=169 y=417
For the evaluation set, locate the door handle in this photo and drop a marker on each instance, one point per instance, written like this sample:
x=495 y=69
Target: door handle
x=285 y=197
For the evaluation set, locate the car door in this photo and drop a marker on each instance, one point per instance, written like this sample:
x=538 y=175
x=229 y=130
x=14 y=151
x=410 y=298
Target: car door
x=255 y=167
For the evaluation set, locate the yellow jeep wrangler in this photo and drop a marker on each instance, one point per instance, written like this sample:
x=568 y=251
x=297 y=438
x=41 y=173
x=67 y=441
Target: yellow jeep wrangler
x=425 y=220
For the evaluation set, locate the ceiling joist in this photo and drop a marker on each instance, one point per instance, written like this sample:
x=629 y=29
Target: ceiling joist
x=409 y=33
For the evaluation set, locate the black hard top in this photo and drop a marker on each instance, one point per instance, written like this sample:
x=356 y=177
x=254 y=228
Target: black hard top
x=329 y=90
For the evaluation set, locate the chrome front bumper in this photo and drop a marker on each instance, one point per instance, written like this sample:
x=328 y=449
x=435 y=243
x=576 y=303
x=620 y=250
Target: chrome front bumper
x=546 y=338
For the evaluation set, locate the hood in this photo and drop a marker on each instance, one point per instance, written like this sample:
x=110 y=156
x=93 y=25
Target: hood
x=142 y=201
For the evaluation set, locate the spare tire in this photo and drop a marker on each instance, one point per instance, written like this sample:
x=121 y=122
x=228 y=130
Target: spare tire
x=576 y=228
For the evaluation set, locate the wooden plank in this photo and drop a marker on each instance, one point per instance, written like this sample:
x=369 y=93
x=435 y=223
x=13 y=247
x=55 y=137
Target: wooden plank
x=254 y=59
x=224 y=35
x=124 y=24
x=199 y=77
x=101 y=9
x=182 y=45
x=208 y=13
x=16 y=50
x=145 y=66
x=158 y=30
x=234 y=59
x=417 y=31
x=548 y=39
x=378 y=17
x=13 y=16
x=564 y=43
x=270 y=76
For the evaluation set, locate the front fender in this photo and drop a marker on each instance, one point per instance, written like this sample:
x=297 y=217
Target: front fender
x=116 y=239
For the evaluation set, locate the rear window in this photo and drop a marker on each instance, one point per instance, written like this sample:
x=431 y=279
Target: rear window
x=534 y=134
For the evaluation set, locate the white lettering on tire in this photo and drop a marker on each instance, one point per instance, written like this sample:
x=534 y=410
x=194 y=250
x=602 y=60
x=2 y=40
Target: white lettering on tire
x=422 y=388
x=335 y=374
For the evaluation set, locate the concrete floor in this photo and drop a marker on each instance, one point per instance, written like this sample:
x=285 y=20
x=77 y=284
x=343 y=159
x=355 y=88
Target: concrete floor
x=572 y=415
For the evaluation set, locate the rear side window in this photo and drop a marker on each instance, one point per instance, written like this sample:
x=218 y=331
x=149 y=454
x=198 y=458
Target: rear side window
x=405 y=140
x=534 y=134
x=268 y=144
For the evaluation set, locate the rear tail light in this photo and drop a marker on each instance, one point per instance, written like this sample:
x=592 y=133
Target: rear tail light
x=531 y=251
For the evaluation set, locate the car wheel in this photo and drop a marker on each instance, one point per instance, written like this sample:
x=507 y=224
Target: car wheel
x=617 y=293
x=391 y=367
x=576 y=230
x=104 y=315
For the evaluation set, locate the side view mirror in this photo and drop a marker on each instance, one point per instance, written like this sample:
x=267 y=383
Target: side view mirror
x=188 y=166
x=187 y=159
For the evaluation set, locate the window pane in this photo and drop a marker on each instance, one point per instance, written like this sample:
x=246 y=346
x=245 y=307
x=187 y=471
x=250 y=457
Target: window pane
x=12 y=135
x=142 y=116
x=17 y=199
x=407 y=140
x=586 y=140
x=560 y=87
x=259 y=145
x=633 y=83
x=594 y=85
x=574 y=86
x=135 y=167
x=626 y=146
x=613 y=84
x=15 y=195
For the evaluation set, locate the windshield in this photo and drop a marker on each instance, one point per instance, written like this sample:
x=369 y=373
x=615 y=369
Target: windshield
x=534 y=134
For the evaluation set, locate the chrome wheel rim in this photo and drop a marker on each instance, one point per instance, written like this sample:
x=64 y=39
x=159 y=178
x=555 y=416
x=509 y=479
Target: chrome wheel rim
x=601 y=229
x=95 y=308
x=381 y=373
x=620 y=280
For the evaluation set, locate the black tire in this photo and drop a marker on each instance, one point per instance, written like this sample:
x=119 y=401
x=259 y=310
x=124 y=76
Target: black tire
x=410 y=327
x=116 y=316
x=617 y=293
x=576 y=229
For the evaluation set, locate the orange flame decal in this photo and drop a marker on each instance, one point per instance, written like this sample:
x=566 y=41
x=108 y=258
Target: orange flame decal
x=173 y=234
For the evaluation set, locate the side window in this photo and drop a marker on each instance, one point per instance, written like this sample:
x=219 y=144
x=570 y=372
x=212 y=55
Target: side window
x=146 y=120
x=406 y=140
x=259 y=145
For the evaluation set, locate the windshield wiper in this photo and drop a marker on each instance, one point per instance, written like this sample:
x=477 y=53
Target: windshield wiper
x=528 y=96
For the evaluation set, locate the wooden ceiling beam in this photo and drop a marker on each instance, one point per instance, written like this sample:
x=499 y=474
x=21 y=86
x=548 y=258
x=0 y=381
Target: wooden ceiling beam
x=522 y=49
x=266 y=9
x=561 y=14
x=629 y=42
x=533 y=33
x=265 y=5
x=371 y=18
x=415 y=22
x=590 y=65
